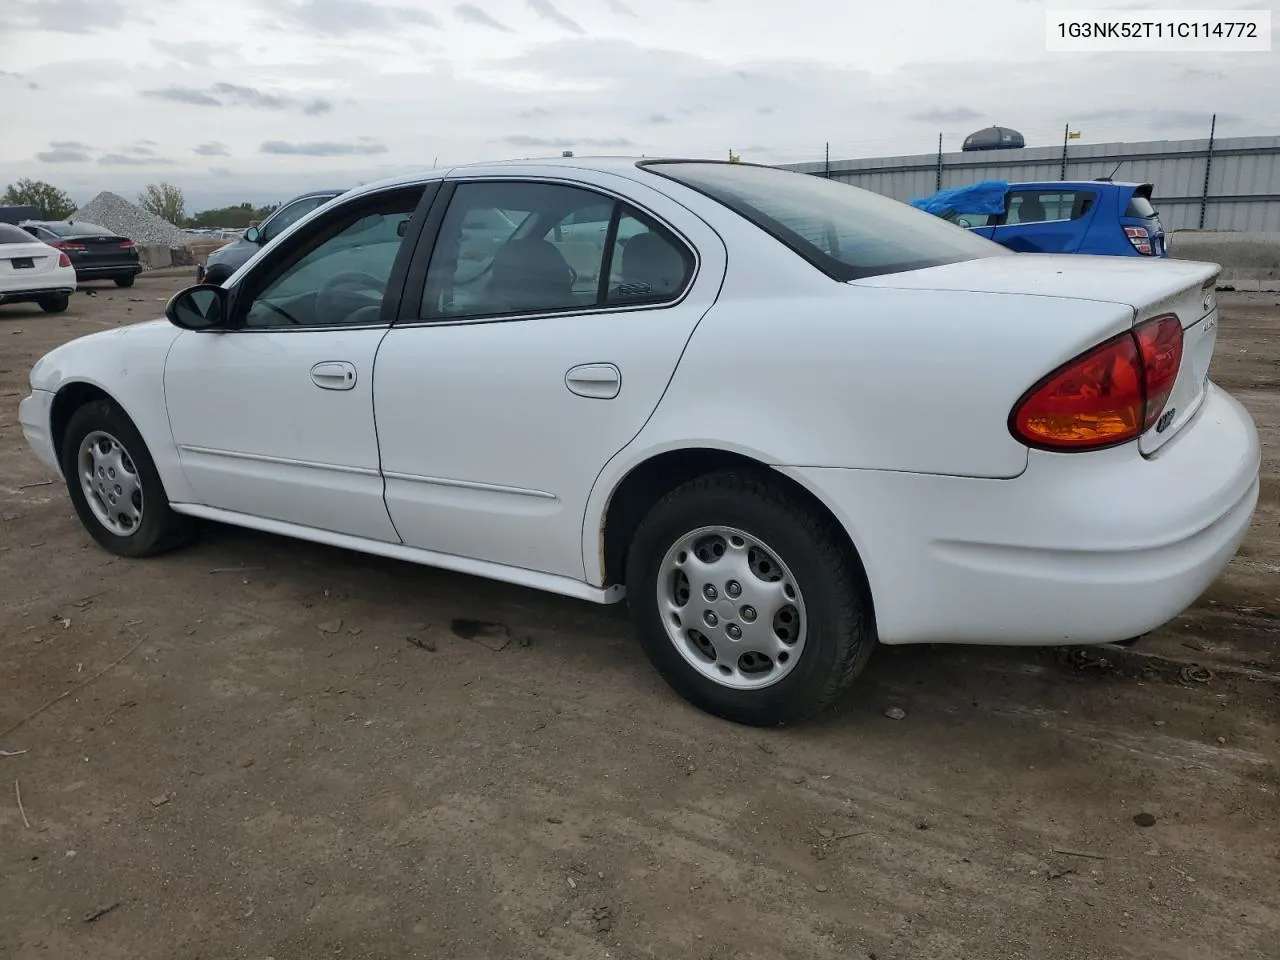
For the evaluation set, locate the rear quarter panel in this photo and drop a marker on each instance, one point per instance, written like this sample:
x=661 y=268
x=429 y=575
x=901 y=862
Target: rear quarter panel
x=873 y=378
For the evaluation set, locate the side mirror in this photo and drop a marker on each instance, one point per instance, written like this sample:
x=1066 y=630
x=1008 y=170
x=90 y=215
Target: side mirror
x=253 y=235
x=202 y=307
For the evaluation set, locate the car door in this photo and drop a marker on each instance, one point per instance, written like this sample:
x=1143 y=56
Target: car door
x=506 y=385
x=1045 y=219
x=273 y=417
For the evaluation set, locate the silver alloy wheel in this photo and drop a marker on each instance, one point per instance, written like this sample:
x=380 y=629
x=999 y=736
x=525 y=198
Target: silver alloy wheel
x=110 y=483
x=732 y=608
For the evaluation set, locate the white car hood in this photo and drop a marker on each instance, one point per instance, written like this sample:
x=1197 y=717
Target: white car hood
x=1134 y=281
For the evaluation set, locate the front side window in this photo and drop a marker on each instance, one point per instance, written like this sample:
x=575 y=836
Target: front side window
x=846 y=232
x=338 y=275
x=517 y=247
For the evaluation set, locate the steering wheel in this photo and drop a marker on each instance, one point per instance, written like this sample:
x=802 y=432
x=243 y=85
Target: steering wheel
x=344 y=293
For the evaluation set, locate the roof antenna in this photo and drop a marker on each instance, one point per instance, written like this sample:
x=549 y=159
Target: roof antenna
x=1108 y=177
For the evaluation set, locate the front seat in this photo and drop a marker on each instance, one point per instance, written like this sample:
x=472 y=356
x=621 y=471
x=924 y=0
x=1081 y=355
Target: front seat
x=531 y=274
x=650 y=267
x=1031 y=210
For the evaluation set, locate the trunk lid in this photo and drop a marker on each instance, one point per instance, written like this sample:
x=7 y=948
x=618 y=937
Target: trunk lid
x=26 y=259
x=1150 y=287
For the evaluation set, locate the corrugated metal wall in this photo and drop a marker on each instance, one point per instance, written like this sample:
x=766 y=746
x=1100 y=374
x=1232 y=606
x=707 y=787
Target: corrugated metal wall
x=1244 y=178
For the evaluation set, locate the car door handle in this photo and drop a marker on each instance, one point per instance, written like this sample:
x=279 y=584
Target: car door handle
x=599 y=381
x=334 y=375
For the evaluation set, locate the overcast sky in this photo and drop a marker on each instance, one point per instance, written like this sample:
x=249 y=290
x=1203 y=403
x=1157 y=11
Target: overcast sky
x=259 y=99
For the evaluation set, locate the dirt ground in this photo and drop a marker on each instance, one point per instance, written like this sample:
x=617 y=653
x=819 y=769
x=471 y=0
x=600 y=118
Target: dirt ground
x=268 y=767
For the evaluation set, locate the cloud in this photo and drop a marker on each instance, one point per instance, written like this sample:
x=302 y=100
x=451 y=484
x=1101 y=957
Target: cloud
x=221 y=171
x=470 y=13
x=341 y=17
x=659 y=118
x=946 y=115
x=1152 y=117
x=211 y=149
x=69 y=145
x=18 y=77
x=620 y=8
x=547 y=11
x=193 y=53
x=533 y=112
x=224 y=94
x=324 y=148
x=564 y=143
x=62 y=155
x=125 y=160
x=68 y=16
x=140 y=149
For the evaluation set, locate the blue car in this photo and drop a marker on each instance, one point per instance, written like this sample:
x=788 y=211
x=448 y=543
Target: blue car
x=1057 y=216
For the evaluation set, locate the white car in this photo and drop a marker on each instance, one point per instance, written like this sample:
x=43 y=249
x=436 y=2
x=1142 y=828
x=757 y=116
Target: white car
x=786 y=418
x=34 y=272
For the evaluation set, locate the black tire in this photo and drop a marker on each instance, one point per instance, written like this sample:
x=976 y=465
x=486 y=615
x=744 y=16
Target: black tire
x=160 y=529
x=57 y=304
x=125 y=281
x=841 y=624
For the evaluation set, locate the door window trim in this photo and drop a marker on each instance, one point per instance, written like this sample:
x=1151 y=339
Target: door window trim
x=415 y=281
x=285 y=254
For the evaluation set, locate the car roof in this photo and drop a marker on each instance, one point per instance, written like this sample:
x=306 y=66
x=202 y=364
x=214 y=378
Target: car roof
x=1077 y=183
x=624 y=165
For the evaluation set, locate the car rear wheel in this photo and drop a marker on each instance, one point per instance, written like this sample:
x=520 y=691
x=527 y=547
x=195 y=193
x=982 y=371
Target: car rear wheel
x=124 y=281
x=216 y=274
x=55 y=304
x=114 y=484
x=748 y=601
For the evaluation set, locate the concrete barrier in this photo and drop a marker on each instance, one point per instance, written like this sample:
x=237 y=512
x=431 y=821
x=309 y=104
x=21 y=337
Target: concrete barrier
x=1250 y=261
x=155 y=255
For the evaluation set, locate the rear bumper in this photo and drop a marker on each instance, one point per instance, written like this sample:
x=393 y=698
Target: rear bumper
x=35 y=415
x=37 y=294
x=1081 y=548
x=128 y=269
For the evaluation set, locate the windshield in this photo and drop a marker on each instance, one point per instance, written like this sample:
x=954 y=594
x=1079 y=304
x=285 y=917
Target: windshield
x=846 y=232
x=81 y=228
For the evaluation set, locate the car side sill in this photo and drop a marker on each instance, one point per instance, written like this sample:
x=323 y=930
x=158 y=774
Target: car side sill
x=550 y=583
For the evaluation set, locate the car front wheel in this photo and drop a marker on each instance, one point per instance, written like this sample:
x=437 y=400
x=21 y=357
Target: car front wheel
x=748 y=600
x=114 y=484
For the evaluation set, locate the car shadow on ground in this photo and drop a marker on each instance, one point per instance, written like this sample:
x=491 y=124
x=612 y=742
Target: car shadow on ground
x=599 y=639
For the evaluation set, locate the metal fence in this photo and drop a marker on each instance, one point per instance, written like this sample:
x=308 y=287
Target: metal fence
x=1223 y=184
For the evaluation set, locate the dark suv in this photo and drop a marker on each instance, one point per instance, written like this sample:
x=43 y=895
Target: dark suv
x=225 y=261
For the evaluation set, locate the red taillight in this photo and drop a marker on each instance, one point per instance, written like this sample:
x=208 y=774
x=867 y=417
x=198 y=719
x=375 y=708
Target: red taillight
x=1109 y=395
x=64 y=260
x=68 y=245
x=126 y=244
x=1140 y=239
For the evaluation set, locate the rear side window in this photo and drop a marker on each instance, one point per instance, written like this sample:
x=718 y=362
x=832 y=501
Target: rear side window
x=1042 y=206
x=1139 y=206
x=846 y=232
x=12 y=234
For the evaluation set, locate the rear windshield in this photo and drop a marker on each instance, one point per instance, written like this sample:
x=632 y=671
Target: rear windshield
x=846 y=232
x=81 y=228
x=12 y=234
x=1139 y=206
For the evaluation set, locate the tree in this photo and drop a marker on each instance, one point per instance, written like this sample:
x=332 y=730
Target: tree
x=165 y=201
x=237 y=216
x=53 y=203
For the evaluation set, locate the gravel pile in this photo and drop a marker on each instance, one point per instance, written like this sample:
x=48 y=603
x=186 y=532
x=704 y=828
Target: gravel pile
x=117 y=214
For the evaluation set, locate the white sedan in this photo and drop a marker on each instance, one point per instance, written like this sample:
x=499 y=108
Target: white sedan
x=786 y=418
x=34 y=272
